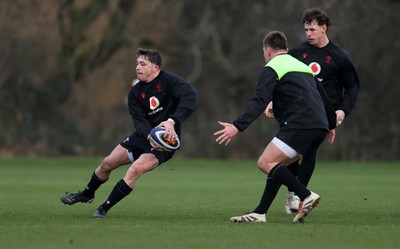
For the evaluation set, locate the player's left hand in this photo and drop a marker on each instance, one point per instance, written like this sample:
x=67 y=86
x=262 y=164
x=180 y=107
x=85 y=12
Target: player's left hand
x=153 y=145
x=339 y=117
x=226 y=135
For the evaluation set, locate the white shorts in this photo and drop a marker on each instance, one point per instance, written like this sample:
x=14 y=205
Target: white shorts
x=289 y=151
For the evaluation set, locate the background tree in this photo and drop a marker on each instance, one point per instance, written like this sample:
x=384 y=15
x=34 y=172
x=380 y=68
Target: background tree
x=67 y=67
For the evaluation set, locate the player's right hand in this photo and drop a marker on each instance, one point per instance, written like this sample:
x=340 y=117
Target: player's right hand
x=269 y=112
x=331 y=136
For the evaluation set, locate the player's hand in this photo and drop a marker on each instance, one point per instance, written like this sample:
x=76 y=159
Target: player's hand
x=153 y=145
x=331 y=136
x=269 y=113
x=339 y=117
x=169 y=129
x=226 y=135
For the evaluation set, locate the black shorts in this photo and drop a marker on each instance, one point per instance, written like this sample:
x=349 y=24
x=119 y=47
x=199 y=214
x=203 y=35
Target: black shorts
x=136 y=146
x=302 y=140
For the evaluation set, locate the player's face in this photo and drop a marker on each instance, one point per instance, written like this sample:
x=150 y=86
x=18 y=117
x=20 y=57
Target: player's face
x=315 y=33
x=145 y=70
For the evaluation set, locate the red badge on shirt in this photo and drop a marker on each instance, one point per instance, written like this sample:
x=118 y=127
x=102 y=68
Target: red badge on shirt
x=154 y=103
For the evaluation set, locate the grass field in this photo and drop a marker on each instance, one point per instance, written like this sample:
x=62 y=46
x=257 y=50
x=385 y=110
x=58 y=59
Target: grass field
x=187 y=204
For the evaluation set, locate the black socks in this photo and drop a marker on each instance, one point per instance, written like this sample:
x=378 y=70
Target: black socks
x=282 y=175
x=277 y=176
x=92 y=186
x=294 y=168
x=120 y=190
x=270 y=192
x=307 y=169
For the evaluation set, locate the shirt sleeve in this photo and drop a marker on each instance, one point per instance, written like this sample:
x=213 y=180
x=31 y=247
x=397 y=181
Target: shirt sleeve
x=329 y=109
x=351 y=84
x=187 y=99
x=266 y=81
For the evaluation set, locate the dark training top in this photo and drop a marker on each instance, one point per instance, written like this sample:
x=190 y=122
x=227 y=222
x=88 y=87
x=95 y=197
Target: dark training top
x=167 y=96
x=333 y=67
x=298 y=102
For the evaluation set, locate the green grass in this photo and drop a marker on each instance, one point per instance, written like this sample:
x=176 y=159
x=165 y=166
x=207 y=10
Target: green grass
x=187 y=204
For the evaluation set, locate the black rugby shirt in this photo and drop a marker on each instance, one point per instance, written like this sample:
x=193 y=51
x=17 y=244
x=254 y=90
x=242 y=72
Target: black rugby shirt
x=297 y=101
x=334 y=69
x=167 y=96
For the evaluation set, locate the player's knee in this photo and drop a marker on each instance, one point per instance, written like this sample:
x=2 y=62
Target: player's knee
x=107 y=165
x=264 y=166
x=134 y=172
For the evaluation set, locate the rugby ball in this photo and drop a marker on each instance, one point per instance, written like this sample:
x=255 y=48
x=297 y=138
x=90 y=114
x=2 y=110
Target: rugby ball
x=158 y=139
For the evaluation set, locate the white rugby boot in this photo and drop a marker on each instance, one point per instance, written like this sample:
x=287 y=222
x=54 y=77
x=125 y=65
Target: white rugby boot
x=249 y=217
x=292 y=203
x=308 y=204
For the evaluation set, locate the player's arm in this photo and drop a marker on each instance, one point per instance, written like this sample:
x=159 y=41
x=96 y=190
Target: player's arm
x=263 y=95
x=187 y=97
x=351 y=84
x=330 y=112
x=329 y=109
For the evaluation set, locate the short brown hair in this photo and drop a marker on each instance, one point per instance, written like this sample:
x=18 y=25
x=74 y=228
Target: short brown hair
x=151 y=55
x=318 y=15
x=275 y=40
